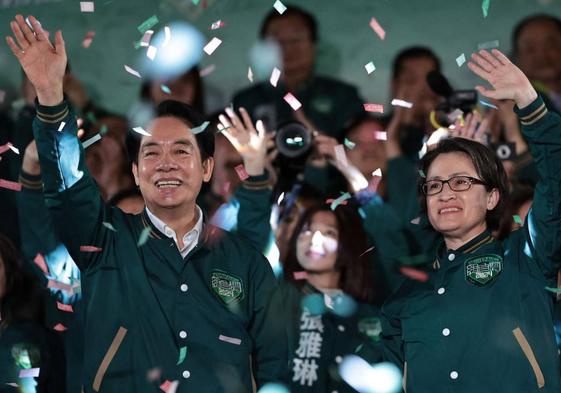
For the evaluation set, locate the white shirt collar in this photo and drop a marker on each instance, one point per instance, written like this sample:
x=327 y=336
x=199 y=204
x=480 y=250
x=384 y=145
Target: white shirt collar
x=191 y=238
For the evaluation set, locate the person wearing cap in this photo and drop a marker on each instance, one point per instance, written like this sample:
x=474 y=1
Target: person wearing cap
x=172 y=303
x=479 y=317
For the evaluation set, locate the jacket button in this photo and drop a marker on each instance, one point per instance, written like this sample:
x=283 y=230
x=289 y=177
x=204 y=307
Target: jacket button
x=341 y=328
x=183 y=334
x=186 y=374
x=445 y=332
x=454 y=375
x=184 y=287
x=451 y=257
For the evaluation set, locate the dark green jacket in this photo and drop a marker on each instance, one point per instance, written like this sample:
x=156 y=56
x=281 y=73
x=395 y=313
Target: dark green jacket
x=482 y=322
x=147 y=305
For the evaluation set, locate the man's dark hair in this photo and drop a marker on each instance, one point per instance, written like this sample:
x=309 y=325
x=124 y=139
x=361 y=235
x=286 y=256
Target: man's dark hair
x=185 y=113
x=291 y=10
x=413 y=52
x=528 y=20
x=487 y=165
x=355 y=278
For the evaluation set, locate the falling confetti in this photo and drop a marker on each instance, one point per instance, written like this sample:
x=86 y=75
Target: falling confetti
x=10 y=185
x=377 y=28
x=87 y=6
x=242 y=173
x=376 y=108
x=29 y=373
x=182 y=354
x=148 y=24
x=143 y=238
x=375 y=180
x=370 y=68
x=231 y=340
x=402 y=103
x=292 y=101
x=275 y=75
x=39 y=260
x=141 y=131
x=453 y=116
x=300 y=275
x=217 y=25
x=349 y=145
x=145 y=41
x=460 y=60
x=61 y=126
x=90 y=249
x=132 y=71
x=367 y=251
x=91 y=141
x=485 y=7
x=64 y=307
x=165 y=89
x=212 y=45
x=250 y=74
x=340 y=200
x=201 y=128
x=151 y=52
x=279 y=6
x=59 y=327
x=87 y=41
x=518 y=220
x=488 y=45
x=207 y=70
x=414 y=274
x=488 y=104
x=422 y=173
x=109 y=226
x=381 y=135
x=554 y=290
x=169 y=387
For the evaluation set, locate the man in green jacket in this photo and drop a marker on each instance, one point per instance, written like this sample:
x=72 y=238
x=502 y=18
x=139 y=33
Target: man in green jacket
x=172 y=304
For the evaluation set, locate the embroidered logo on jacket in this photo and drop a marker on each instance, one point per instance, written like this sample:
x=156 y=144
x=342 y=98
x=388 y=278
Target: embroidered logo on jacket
x=371 y=328
x=228 y=287
x=481 y=270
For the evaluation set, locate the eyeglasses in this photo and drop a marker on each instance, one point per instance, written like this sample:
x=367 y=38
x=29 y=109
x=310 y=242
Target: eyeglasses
x=456 y=183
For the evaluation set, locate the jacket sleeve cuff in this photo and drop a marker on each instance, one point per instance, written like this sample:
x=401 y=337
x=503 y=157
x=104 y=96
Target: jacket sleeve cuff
x=52 y=114
x=532 y=113
x=32 y=182
x=261 y=182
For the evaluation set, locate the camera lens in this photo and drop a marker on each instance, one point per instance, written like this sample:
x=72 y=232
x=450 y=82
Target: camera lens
x=293 y=139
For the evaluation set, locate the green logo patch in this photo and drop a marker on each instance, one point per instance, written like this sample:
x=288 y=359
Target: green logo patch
x=481 y=270
x=229 y=288
x=371 y=328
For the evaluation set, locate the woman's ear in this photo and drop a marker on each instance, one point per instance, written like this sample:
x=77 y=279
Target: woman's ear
x=493 y=198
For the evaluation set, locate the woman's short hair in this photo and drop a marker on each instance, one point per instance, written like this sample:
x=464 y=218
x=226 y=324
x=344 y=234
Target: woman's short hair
x=355 y=275
x=487 y=165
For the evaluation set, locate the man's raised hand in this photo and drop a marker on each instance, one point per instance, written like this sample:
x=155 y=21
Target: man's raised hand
x=43 y=63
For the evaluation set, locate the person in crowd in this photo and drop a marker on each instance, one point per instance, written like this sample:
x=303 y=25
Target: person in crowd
x=168 y=301
x=25 y=344
x=481 y=302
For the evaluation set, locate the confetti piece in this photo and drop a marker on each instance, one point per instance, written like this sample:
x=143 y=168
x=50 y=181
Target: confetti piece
x=340 y=155
x=250 y=74
x=349 y=145
x=141 y=131
x=217 y=25
x=279 y=6
x=485 y=103
x=517 y=219
x=377 y=108
x=212 y=45
x=109 y=226
x=145 y=41
x=182 y=354
x=151 y=52
x=292 y=101
x=340 y=200
x=414 y=274
x=460 y=60
x=207 y=70
x=143 y=238
x=91 y=141
x=300 y=275
x=4 y=148
x=370 y=68
x=242 y=173
x=61 y=126
x=29 y=373
x=167 y=36
x=153 y=374
x=377 y=28
x=488 y=45
x=148 y=24
x=64 y=307
x=10 y=185
x=381 y=135
x=422 y=173
x=367 y=251
x=375 y=180
x=40 y=261
x=275 y=75
x=87 y=6
x=402 y=103
x=90 y=249
x=59 y=327
x=169 y=387
x=554 y=290
x=231 y=340
x=165 y=89
x=61 y=286
x=416 y=221
x=87 y=41
x=452 y=117
x=201 y=128
x=485 y=7
x=132 y=71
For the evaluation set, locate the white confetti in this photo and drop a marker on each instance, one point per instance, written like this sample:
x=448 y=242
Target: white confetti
x=381 y=135
x=377 y=172
x=91 y=141
x=460 y=60
x=370 y=68
x=488 y=45
x=275 y=75
x=132 y=71
x=167 y=39
x=250 y=74
x=61 y=126
x=279 y=6
x=200 y=128
x=141 y=131
x=292 y=101
x=151 y=52
x=87 y=6
x=402 y=103
x=216 y=25
x=13 y=148
x=212 y=45
x=231 y=340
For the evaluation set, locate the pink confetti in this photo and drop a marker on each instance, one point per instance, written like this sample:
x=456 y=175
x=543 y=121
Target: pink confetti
x=59 y=327
x=292 y=101
x=169 y=387
x=90 y=249
x=207 y=70
x=88 y=39
x=231 y=340
x=29 y=373
x=64 y=307
x=300 y=275
x=145 y=41
x=242 y=173
x=377 y=108
x=414 y=274
x=40 y=261
x=377 y=28
x=217 y=25
x=10 y=185
x=381 y=135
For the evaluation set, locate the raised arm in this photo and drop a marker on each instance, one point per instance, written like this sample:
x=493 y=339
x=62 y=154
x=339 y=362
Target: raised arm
x=542 y=130
x=70 y=192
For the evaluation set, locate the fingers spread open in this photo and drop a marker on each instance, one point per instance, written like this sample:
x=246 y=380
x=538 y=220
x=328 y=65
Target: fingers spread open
x=246 y=119
x=490 y=58
x=59 y=43
x=20 y=38
x=476 y=69
x=29 y=35
x=15 y=49
x=501 y=57
x=481 y=62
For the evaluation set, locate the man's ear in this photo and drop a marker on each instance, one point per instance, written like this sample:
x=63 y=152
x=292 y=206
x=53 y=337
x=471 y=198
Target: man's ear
x=135 y=173
x=493 y=199
x=208 y=167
